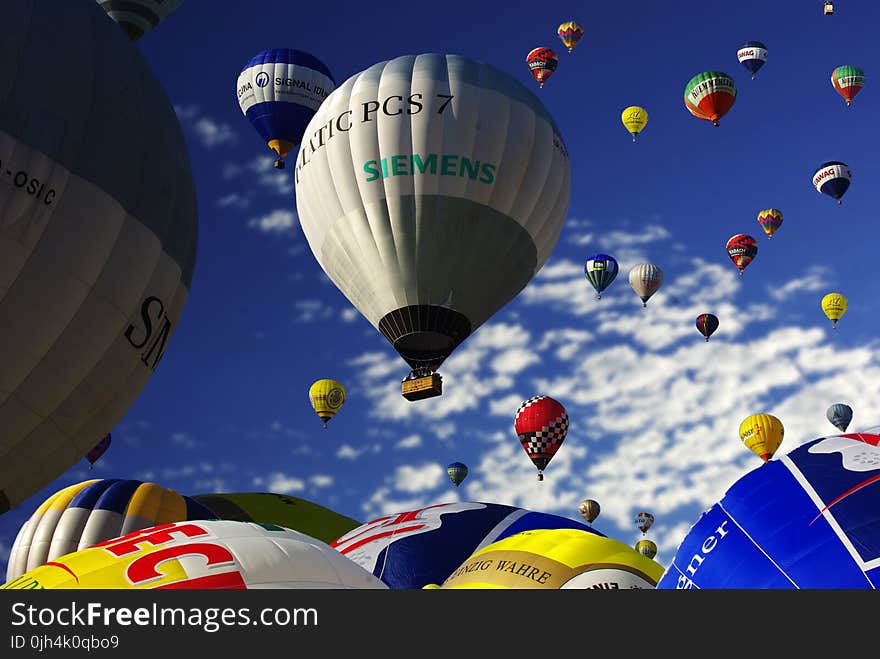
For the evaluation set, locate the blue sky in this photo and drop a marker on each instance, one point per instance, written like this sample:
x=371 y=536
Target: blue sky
x=654 y=409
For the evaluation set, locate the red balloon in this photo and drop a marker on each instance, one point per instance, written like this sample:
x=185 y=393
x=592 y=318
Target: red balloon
x=541 y=424
x=99 y=449
x=741 y=249
x=542 y=63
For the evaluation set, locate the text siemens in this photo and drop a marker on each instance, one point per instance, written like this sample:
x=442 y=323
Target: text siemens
x=390 y=106
x=22 y=180
x=406 y=164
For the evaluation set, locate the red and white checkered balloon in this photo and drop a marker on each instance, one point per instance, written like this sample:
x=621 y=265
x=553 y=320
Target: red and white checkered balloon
x=541 y=424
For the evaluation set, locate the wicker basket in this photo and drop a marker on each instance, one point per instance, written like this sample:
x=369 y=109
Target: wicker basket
x=427 y=386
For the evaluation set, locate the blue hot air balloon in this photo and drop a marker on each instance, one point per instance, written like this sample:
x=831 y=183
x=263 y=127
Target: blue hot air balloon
x=600 y=270
x=809 y=519
x=832 y=178
x=279 y=91
x=457 y=471
x=839 y=414
x=752 y=55
x=419 y=547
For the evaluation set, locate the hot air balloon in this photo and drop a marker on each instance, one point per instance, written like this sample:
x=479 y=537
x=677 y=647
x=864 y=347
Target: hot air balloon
x=752 y=55
x=570 y=33
x=553 y=559
x=428 y=235
x=848 y=81
x=741 y=249
x=646 y=548
x=710 y=95
x=840 y=415
x=99 y=449
x=542 y=63
x=541 y=424
x=327 y=397
x=600 y=270
x=457 y=471
x=416 y=548
x=98 y=235
x=762 y=434
x=137 y=17
x=644 y=521
x=834 y=305
x=634 y=119
x=645 y=279
x=93 y=511
x=589 y=510
x=833 y=179
x=828 y=8
x=808 y=521
x=707 y=323
x=279 y=91
x=281 y=510
x=203 y=555
x=770 y=220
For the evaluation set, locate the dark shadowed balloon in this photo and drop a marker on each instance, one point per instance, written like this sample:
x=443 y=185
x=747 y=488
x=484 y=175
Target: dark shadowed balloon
x=137 y=17
x=840 y=415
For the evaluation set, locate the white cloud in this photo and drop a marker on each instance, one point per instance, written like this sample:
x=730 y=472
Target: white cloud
x=277 y=221
x=349 y=315
x=321 y=481
x=279 y=483
x=309 y=311
x=208 y=132
x=410 y=441
x=412 y=479
x=184 y=440
x=233 y=200
x=815 y=279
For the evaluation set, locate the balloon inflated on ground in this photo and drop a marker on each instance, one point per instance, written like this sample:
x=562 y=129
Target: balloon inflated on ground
x=98 y=235
x=410 y=209
x=93 y=511
x=203 y=555
x=809 y=520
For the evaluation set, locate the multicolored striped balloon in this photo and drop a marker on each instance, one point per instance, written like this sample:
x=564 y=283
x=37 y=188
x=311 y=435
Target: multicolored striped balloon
x=770 y=220
x=457 y=471
x=570 y=33
x=600 y=270
x=542 y=63
x=707 y=323
x=848 y=81
x=710 y=95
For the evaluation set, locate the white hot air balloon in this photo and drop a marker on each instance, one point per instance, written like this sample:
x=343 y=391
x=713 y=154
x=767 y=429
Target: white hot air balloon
x=137 y=17
x=98 y=231
x=645 y=279
x=431 y=189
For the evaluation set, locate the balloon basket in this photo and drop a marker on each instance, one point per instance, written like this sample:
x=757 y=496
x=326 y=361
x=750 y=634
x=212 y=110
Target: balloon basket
x=419 y=388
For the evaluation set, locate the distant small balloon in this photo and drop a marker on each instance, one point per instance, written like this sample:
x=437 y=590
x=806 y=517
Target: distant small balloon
x=646 y=548
x=99 y=449
x=644 y=521
x=457 y=471
x=542 y=63
x=840 y=415
x=589 y=509
x=707 y=323
x=834 y=306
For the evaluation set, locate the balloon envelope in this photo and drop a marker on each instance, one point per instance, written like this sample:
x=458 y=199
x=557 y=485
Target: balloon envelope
x=326 y=397
x=645 y=279
x=762 y=434
x=710 y=95
x=416 y=548
x=99 y=449
x=552 y=559
x=848 y=81
x=707 y=323
x=770 y=220
x=137 y=17
x=278 y=91
x=427 y=212
x=542 y=63
x=834 y=306
x=752 y=55
x=833 y=178
x=203 y=555
x=840 y=415
x=600 y=270
x=742 y=249
x=808 y=520
x=646 y=548
x=644 y=521
x=634 y=119
x=570 y=32
x=457 y=472
x=98 y=250
x=93 y=511
x=281 y=510
x=541 y=424
x=589 y=509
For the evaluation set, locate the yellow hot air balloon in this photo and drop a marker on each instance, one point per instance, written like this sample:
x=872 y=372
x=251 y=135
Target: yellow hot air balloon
x=634 y=119
x=762 y=434
x=327 y=396
x=834 y=305
x=554 y=559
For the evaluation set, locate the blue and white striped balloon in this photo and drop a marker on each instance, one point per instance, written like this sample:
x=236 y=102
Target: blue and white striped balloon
x=279 y=91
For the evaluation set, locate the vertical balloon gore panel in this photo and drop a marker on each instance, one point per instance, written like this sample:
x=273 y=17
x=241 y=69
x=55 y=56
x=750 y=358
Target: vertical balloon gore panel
x=419 y=205
x=98 y=233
